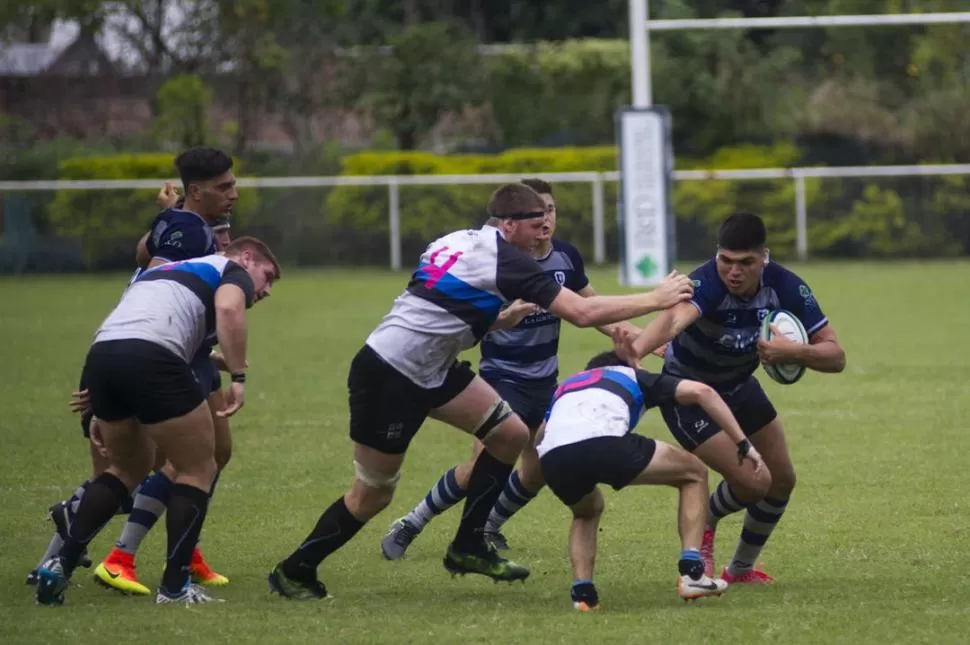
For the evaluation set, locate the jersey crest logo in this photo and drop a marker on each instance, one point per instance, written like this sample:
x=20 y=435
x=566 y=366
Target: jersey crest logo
x=560 y=277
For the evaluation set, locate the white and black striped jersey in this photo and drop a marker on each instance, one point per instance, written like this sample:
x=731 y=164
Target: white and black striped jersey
x=173 y=305
x=454 y=296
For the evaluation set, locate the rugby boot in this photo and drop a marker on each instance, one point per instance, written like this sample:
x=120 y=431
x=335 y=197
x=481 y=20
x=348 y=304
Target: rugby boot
x=117 y=571
x=294 y=589
x=483 y=560
x=202 y=574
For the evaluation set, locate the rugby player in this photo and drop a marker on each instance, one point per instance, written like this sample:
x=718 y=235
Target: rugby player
x=519 y=359
x=408 y=370
x=715 y=338
x=144 y=394
x=194 y=226
x=588 y=439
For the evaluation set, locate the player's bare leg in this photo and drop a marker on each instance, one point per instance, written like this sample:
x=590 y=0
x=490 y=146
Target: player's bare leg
x=480 y=411
x=189 y=443
x=761 y=517
x=377 y=474
x=671 y=466
x=118 y=570
x=130 y=453
x=201 y=572
x=742 y=486
x=582 y=549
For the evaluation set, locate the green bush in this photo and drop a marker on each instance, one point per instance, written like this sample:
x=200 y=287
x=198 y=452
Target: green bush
x=108 y=223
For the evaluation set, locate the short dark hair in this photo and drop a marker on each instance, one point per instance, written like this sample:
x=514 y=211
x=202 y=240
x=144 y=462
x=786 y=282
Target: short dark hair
x=606 y=359
x=202 y=164
x=257 y=247
x=538 y=185
x=742 y=232
x=513 y=200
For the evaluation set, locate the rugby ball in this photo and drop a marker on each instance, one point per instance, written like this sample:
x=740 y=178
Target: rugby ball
x=791 y=327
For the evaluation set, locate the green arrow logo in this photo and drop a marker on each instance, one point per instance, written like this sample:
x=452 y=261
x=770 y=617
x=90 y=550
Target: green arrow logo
x=646 y=266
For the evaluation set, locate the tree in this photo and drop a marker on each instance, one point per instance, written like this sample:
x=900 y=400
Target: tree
x=430 y=69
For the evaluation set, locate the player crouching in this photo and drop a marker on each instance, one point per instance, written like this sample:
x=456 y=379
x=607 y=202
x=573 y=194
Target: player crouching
x=588 y=440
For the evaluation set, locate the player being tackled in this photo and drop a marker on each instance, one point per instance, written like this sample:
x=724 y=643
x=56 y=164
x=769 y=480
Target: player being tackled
x=589 y=440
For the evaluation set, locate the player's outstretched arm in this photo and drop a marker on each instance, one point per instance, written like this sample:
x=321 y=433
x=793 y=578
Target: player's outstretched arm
x=603 y=310
x=626 y=327
x=664 y=328
x=697 y=393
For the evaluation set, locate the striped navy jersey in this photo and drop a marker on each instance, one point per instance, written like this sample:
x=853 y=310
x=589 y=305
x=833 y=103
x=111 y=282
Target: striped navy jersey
x=173 y=304
x=603 y=402
x=461 y=283
x=721 y=347
x=529 y=351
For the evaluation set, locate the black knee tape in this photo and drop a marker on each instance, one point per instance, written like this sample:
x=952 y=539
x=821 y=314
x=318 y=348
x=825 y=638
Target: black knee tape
x=499 y=412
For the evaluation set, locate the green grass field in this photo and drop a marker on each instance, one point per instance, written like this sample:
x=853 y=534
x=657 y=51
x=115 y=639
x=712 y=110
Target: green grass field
x=869 y=551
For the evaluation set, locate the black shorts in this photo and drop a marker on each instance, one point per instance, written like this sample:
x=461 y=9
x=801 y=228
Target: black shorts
x=137 y=378
x=691 y=426
x=387 y=409
x=528 y=400
x=573 y=470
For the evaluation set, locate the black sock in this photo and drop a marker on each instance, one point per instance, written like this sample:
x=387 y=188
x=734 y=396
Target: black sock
x=99 y=504
x=187 y=507
x=333 y=530
x=484 y=487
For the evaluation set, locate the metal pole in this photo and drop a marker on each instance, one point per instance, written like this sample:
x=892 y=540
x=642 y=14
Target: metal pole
x=801 y=219
x=394 y=222
x=640 y=53
x=599 y=237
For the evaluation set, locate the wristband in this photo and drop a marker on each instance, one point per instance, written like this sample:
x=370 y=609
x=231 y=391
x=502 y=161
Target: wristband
x=238 y=377
x=744 y=447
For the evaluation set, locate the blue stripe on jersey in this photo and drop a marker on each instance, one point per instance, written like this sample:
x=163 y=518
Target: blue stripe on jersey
x=457 y=289
x=209 y=274
x=632 y=388
x=612 y=381
x=521 y=353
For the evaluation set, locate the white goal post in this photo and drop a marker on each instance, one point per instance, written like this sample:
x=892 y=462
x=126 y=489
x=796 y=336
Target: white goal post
x=637 y=228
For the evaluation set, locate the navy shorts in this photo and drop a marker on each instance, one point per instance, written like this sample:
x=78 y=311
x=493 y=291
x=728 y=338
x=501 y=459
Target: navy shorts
x=205 y=373
x=528 y=400
x=691 y=426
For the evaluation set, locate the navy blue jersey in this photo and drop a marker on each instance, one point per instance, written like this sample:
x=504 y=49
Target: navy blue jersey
x=721 y=347
x=176 y=235
x=529 y=351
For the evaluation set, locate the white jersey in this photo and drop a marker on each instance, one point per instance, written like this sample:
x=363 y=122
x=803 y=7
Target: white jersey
x=603 y=402
x=454 y=296
x=173 y=305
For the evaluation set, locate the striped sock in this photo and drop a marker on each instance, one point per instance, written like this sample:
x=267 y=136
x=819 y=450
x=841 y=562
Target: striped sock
x=442 y=496
x=513 y=497
x=149 y=504
x=722 y=502
x=759 y=522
